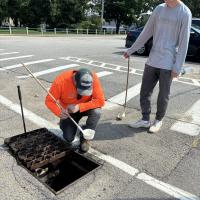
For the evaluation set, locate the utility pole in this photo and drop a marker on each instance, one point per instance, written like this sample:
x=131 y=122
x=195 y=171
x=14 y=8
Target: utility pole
x=102 y=12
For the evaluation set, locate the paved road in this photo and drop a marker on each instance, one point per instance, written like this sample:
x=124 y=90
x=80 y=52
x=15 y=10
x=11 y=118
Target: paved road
x=136 y=165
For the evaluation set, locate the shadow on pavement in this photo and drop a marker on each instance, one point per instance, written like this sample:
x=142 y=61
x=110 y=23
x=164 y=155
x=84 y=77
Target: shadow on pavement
x=119 y=52
x=110 y=131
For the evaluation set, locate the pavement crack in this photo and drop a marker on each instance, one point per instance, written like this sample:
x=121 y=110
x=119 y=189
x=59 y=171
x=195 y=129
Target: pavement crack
x=166 y=177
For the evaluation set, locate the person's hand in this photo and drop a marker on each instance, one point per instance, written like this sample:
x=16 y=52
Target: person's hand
x=174 y=74
x=64 y=114
x=126 y=55
x=73 y=108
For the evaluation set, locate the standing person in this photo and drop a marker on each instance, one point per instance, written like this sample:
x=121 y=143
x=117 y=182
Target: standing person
x=169 y=25
x=80 y=94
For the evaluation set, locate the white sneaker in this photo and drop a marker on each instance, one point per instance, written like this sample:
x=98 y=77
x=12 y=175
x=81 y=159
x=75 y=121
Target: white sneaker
x=140 y=124
x=155 y=127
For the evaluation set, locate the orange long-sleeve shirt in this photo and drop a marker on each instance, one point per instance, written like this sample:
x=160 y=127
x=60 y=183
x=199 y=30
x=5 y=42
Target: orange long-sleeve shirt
x=64 y=91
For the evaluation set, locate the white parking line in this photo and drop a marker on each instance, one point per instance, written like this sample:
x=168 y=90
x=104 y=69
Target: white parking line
x=8 y=53
x=48 y=71
x=190 y=128
x=12 y=58
x=103 y=73
x=120 y=98
x=28 y=114
x=115 y=162
x=166 y=188
x=196 y=82
x=39 y=121
x=27 y=63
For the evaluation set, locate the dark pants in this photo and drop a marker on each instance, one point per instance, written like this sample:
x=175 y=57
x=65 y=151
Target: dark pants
x=150 y=78
x=69 y=128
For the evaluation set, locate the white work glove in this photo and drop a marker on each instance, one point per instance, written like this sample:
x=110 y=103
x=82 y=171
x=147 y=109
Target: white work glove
x=88 y=134
x=73 y=108
x=64 y=114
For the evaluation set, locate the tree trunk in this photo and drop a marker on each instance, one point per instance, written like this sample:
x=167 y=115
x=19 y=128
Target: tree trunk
x=117 y=26
x=15 y=21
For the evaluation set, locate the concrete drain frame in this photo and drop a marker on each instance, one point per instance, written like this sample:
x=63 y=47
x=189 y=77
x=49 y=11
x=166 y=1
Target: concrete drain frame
x=47 y=157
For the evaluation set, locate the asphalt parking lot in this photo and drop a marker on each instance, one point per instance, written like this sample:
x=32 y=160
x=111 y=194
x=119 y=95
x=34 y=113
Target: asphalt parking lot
x=135 y=164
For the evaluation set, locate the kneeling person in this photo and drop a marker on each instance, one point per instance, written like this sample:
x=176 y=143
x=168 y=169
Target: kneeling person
x=80 y=94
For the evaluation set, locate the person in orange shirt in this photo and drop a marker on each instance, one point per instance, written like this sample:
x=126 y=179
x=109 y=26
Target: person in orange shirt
x=80 y=94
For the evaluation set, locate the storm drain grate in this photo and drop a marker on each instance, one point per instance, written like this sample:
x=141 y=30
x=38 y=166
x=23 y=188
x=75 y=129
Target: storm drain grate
x=49 y=159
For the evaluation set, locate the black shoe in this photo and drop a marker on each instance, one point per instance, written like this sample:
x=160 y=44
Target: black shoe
x=84 y=146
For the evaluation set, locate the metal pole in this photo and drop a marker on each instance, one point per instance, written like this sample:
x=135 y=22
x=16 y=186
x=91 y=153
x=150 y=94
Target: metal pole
x=26 y=30
x=42 y=31
x=20 y=100
x=120 y=116
x=10 y=30
x=127 y=79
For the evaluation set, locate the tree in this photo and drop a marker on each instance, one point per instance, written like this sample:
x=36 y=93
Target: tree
x=124 y=11
x=3 y=10
x=28 y=12
x=39 y=12
x=194 y=6
x=14 y=10
x=24 y=14
x=66 y=12
x=56 y=13
x=116 y=10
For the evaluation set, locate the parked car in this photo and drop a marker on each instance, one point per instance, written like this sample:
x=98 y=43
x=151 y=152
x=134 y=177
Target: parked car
x=196 y=22
x=131 y=37
x=194 y=43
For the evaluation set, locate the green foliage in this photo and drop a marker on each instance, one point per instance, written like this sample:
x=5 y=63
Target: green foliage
x=65 y=13
x=39 y=11
x=55 y=13
x=124 y=11
x=3 y=10
x=93 y=22
x=194 y=6
x=68 y=13
x=14 y=10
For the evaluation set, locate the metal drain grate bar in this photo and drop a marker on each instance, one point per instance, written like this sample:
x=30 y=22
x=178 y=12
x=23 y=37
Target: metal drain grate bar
x=37 y=148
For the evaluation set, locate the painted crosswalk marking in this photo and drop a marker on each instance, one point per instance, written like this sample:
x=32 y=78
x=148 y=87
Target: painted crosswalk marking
x=48 y=71
x=103 y=65
x=120 y=98
x=27 y=63
x=187 y=81
x=8 y=53
x=13 y=58
x=193 y=126
x=103 y=73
